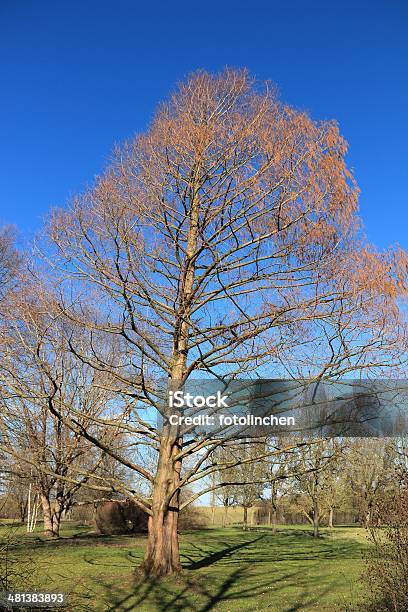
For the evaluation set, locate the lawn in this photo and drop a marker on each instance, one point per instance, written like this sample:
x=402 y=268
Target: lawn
x=224 y=569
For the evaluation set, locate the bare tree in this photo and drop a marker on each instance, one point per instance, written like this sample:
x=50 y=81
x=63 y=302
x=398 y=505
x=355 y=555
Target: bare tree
x=223 y=240
x=15 y=488
x=336 y=495
x=244 y=482
x=386 y=572
x=252 y=476
x=277 y=466
x=36 y=375
x=10 y=261
x=371 y=471
x=399 y=452
x=226 y=494
x=314 y=467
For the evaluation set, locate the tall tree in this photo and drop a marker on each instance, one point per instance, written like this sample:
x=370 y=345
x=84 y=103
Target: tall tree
x=223 y=240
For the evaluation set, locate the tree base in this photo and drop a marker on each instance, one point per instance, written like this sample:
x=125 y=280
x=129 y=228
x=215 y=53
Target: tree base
x=157 y=570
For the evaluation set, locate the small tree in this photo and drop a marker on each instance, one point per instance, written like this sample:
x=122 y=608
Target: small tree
x=225 y=494
x=252 y=476
x=277 y=470
x=371 y=471
x=314 y=467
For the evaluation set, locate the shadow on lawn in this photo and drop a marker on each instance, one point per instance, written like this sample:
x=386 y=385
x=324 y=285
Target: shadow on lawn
x=251 y=584
x=227 y=570
x=216 y=556
x=188 y=594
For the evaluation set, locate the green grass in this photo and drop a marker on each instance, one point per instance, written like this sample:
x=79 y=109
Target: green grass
x=224 y=569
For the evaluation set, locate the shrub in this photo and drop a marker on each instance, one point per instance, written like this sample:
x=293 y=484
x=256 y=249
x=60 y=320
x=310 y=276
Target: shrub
x=120 y=517
x=387 y=562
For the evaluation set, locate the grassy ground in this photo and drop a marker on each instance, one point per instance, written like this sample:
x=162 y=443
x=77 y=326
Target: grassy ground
x=224 y=569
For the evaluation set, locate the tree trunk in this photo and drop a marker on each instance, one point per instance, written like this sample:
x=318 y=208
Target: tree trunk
x=367 y=518
x=56 y=521
x=162 y=553
x=330 y=522
x=225 y=515
x=213 y=509
x=245 y=524
x=273 y=508
x=22 y=507
x=47 y=516
x=274 y=518
x=316 y=531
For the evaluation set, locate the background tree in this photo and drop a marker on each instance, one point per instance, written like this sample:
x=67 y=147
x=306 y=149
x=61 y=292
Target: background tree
x=335 y=495
x=252 y=476
x=40 y=383
x=399 y=453
x=16 y=479
x=10 y=260
x=314 y=467
x=277 y=467
x=371 y=471
x=225 y=494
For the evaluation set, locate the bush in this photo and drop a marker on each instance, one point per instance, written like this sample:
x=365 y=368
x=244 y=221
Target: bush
x=117 y=517
x=387 y=562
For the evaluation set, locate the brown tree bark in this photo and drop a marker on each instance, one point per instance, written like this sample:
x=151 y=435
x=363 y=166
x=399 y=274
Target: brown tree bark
x=330 y=522
x=49 y=531
x=245 y=523
x=162 y=553
x=225 y=515
x=273 y=510
x=316 y=522
x=273 y=518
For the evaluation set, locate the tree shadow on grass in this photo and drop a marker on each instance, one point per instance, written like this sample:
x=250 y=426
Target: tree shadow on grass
x=238 y=581
x=244 y=571
x=240 y=588
x=184 y=593
x=216 y=556
x=285 y=546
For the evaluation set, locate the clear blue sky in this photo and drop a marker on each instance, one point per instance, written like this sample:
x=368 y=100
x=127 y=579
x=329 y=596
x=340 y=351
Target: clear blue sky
x=78 y=76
